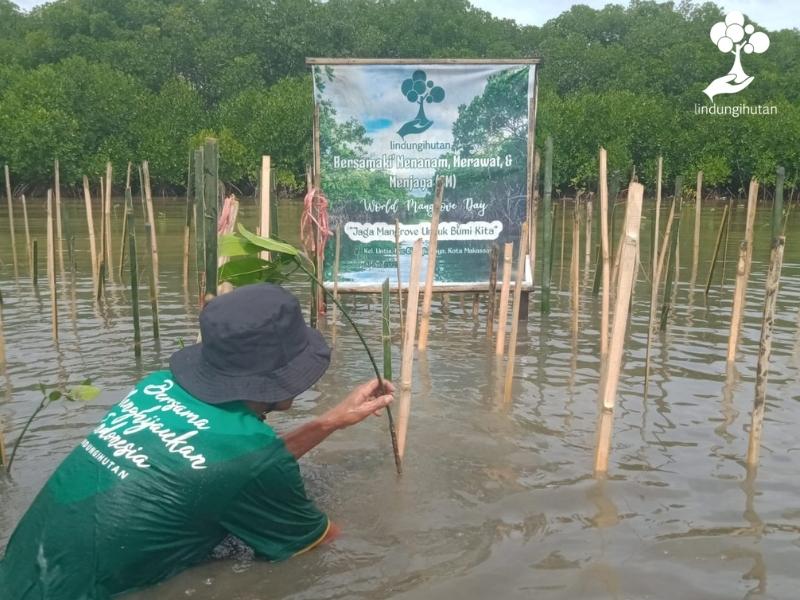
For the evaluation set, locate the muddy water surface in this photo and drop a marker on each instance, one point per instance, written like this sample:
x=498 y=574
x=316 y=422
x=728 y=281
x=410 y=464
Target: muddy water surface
x=498 y=501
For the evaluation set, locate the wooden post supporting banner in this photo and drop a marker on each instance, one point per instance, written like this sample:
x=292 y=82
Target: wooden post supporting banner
x=399 y=280
x=764 y=351
x=522 y=256
x=502 y=318
x=11 y=222
x=429 y=274
x=407 y=359
x=490 y=309
x=386 y=337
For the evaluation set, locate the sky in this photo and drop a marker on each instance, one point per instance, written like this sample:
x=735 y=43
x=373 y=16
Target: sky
x=772 y=14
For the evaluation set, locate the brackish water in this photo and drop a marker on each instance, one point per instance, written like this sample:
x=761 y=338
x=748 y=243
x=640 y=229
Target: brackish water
x=497 y=501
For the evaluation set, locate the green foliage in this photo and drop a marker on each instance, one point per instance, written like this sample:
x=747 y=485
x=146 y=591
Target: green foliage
x=87 y=81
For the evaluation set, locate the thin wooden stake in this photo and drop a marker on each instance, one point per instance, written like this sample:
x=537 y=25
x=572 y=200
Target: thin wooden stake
x=87 y=199
x=522 y=256
x=587 y=259
x=211 y=204
x=51 y=266
x=490 y=309
x=28 y=247
x=716 y=248
x=738 y=301
x=336 y=259
x=59 y=230
x=407 y=360
x=725 y=244
x=764 y=351
x=134 y=267
x=109 y=259
x=604 y=250
x=35 y=263
x=11 y=222
x=429 y=275
x=387 y=366
x=563 y=237
x=777 y=203
x=575 y=264
x=264 y=190
x=199 y=221
x=502 y=318
x=697 y=219
x=151 y=219
x=187 y=225
x=151 y=282
x=547 y=225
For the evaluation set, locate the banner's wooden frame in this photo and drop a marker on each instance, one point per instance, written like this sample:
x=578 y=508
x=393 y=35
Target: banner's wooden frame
x=532 y=107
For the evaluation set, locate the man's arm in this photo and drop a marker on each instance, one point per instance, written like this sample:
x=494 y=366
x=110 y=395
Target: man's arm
x=366 y=399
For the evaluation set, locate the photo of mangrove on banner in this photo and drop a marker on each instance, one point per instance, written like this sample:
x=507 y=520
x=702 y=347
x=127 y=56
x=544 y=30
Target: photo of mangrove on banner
x=387 y=131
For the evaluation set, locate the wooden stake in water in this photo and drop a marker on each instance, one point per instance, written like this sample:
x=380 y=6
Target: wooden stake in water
x=399 y=280
x=716 y=248
x=547 y=224
x=764 y=350
x=534 y=211
x=627 y=277
x=575 y=263
x=35 y=263
x=51 y=266
x=134 y=266
x=387 y=366
x=87 y=200
x=502 y=318
x=151 y=282
x=59 y=230
x=407 y=359
x=210 y=194
x=28 y=247
x=109 y=258
x=490 y=309
x=777 y=203
x=697 y=217
x=672 y=257
x=199 y=221
x=151 y=219
x=187 y=226
x=725 y=244
x=522 y=257
x=563 y=236
x=739 y=294
x=604 y=250
x=429 y=275
x=588 y=235
x=11 y=222
x=264 y=200
x=656 y=229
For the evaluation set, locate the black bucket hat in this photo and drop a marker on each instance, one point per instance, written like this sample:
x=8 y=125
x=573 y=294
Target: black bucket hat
x=255 y=346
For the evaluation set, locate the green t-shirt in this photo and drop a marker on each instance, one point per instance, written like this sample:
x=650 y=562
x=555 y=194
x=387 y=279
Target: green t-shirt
x=160 y=482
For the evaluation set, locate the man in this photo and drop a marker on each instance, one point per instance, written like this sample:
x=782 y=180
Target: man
x=185 y=460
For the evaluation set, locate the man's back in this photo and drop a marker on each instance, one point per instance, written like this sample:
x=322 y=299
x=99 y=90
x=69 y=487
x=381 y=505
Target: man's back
x=151 y=491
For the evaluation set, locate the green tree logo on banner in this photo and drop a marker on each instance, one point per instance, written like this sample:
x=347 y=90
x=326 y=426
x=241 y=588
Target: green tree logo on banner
x=419 y=89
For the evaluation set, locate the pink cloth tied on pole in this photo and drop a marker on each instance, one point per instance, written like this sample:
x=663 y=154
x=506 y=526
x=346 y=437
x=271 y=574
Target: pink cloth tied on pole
x=320 y=220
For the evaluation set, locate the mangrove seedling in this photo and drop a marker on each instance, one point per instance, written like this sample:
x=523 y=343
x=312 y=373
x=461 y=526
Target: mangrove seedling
x=83 y=392
x=247 y=265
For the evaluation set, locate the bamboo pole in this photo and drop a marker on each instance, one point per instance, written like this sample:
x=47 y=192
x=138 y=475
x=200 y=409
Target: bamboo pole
x=134 y=267
x=399 y=280
x=264 y=190
x=429 y=274
x=716 y=248
x=547 y=224
x=661 y=255
x=151 y=219
x=28 y=248
x=336 y=259
x=725 y=244
x=151 y=284
x=764 y=351
x=622 y=299
x=11 y=222
x=187 y=226
x=59 y=230
x=407 y=359
x=109 y=259
x=697 y=219
x=575 y=264
x=87 y=199
x=587 y=259
x=123 y=242
x=656 y=225
x=51 y=266
x=604 y=249
x=101 y=264
x=512 y=340
x=502 y=318
x=35 y=263
x=563 y=236
x=752 y=202
x=211 y=203
x=490 y=309
x=672 y=262
x=386 y=337
x=199 y=221
x=738 y=301
x=777 y=203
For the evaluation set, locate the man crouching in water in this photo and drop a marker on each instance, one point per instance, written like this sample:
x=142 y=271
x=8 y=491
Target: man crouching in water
x=185 y=460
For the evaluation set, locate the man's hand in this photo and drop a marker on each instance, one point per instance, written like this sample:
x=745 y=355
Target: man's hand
x=368 y=398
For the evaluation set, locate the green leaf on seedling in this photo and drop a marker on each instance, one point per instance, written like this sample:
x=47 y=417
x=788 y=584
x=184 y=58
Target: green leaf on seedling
x=268 y=243
x=54 y=395
x=181 y=343
x=83 y=393
x=233 y=245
